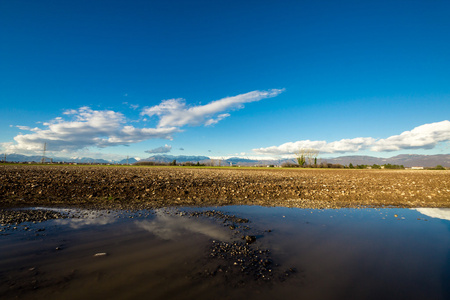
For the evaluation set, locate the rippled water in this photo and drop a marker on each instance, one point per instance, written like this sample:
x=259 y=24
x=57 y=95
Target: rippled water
x=165 y=254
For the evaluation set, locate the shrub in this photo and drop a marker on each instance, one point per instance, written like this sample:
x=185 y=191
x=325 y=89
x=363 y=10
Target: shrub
x=289 y=165
x=438 y=167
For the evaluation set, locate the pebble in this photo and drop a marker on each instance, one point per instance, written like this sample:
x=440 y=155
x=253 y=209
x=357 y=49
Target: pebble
x=250 y=239
x=18 y=216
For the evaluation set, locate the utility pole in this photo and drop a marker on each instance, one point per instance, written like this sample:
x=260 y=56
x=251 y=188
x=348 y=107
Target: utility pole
x=43 y=154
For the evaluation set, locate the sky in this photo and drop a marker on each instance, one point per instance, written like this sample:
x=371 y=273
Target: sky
x=251 y=79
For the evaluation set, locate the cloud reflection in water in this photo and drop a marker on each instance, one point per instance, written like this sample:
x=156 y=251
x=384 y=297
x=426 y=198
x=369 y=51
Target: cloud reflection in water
x=439 y=213
x=90 y=219
x=171 y=227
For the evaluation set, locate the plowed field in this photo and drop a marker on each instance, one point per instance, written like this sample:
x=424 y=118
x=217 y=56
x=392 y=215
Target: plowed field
x=177 y=186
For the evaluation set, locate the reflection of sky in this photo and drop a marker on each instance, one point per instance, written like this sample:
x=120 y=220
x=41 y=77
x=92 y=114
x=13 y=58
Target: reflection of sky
x=88 y=218
x=61 y=210
x=171 y=227
x=440 y=213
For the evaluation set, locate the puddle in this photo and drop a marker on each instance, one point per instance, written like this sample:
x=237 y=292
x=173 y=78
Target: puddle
x=227 y=253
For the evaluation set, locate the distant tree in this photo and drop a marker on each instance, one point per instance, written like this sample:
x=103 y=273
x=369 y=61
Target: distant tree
x=438 y=167
x=311 y=155
x=174 y=162
x=300 y=156
x=351 y=166
x=389 y=166
x=375 y=166
x=145 y=163
x=289 y=165
x=337 y=166
x=304 y=155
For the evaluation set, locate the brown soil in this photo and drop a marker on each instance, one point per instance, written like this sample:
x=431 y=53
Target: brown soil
x=150 y=187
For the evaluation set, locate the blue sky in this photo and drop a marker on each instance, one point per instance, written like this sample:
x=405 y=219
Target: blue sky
x=224 y=78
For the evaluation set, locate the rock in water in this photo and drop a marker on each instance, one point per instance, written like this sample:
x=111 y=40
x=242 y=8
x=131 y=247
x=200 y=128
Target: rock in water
x=250 y=239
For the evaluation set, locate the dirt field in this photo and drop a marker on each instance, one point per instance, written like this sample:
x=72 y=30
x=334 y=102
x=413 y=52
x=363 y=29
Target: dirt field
x=150 y=187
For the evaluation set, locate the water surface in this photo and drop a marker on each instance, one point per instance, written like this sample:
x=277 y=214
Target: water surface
x=167 y=253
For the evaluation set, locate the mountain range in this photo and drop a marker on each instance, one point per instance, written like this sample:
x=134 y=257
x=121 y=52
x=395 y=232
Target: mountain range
x=178 y=158
x=407 y=160
x=37 y=158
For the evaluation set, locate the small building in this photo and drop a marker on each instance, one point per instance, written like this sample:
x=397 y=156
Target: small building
x=416 y=168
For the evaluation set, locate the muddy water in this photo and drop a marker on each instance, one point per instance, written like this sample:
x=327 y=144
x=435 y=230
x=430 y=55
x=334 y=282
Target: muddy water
x=199 y=253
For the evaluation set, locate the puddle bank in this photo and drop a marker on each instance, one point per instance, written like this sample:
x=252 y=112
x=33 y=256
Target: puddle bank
x=227 y=252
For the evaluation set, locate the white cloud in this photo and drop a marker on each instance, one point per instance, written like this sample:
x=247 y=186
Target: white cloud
x=422 y=137
x=85 y=127
x=163 y=149
x=174 y=112
x=132 y=106
x=27 y=128
x=252 y=157
x=216 y=120
x=99 y=128
x=344 y=145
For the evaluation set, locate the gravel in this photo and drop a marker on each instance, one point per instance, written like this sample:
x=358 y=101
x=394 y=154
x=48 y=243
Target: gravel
x=16 y=217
